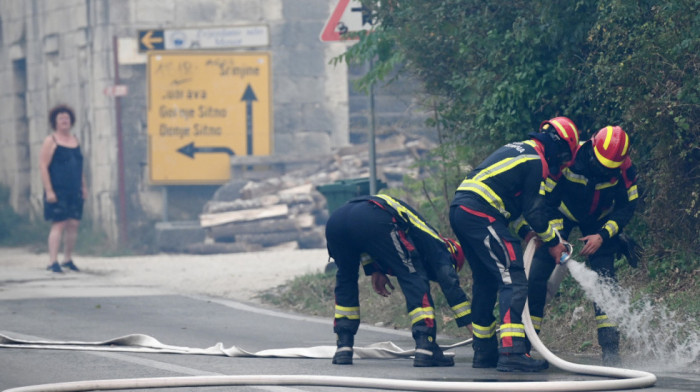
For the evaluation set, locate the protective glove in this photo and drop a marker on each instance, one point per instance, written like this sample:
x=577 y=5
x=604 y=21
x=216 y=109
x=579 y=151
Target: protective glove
x=630 y=249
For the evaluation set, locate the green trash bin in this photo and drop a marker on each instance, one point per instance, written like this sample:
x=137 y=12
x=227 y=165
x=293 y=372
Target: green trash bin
x=339 y=192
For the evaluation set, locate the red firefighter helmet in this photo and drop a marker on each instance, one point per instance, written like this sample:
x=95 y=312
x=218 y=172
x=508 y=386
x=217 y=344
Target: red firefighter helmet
x=611 y=146
x=567 y=131
x=457 y=253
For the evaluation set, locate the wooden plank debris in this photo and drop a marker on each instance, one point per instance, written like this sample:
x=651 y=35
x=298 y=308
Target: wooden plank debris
x=209 y=220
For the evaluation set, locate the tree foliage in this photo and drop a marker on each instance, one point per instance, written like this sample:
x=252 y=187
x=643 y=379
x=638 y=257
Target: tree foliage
x=497 y=69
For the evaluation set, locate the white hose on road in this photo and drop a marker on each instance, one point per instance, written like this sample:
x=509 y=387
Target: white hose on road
x=625 y=378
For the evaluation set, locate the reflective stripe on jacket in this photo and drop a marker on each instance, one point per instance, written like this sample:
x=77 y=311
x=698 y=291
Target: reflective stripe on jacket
x=512 y=182
x=608 y=204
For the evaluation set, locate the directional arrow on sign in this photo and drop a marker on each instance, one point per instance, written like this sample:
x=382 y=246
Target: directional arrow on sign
x=151 y=39
x=191 y=149
x=249 y=97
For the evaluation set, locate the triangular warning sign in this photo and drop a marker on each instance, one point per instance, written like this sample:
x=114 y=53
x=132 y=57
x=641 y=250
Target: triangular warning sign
x=348 y=16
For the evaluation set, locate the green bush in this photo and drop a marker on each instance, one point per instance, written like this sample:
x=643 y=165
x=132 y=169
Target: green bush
x=494 y=70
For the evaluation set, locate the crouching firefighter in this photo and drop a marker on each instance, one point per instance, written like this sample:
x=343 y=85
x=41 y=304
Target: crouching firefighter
x=386 y=236
x=598 y=194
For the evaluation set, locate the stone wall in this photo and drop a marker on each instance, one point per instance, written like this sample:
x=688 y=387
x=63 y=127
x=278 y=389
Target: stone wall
x=64 y=51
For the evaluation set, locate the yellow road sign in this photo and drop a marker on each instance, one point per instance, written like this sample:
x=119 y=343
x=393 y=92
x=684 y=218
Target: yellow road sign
x=204 y=107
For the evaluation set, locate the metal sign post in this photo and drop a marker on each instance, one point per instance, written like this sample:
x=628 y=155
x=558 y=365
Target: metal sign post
x=351 y=16
x=372 y=146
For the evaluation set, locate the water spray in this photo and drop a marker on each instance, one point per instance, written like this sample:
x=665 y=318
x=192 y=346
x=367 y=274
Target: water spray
x=656 y=334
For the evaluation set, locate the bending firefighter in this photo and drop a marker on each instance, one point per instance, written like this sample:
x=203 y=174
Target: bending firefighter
x=511 y=182
x=597 y=194
x=388 y=237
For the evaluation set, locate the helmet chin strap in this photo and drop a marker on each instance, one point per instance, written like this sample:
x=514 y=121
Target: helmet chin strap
x=552 y=148
x=591 y=162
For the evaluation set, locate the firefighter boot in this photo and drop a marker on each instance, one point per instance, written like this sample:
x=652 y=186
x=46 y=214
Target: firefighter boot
x=520 y=363
x=611 y=359
x=528 y=348
x=609 y=339
x=485 y=359
x=428 y=353
x=485 y=353
x=343 y=354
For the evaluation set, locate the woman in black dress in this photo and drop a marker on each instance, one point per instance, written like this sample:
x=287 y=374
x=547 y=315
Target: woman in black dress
x=61 y=167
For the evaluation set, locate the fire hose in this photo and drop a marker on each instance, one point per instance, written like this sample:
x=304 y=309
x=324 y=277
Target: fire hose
x=623 y=378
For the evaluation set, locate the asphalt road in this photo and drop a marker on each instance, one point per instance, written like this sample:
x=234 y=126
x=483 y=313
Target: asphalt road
x=77 y=310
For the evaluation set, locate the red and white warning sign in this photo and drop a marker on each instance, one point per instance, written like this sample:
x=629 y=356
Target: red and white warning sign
x=349 y=16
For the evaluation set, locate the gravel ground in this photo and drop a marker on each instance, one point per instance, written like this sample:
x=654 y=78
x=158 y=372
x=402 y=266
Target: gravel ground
x=237 y=276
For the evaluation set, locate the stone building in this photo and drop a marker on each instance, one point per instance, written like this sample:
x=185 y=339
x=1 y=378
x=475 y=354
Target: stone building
x=76 y=51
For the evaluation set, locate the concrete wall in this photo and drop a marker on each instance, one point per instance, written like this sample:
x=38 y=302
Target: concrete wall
x=63 y=51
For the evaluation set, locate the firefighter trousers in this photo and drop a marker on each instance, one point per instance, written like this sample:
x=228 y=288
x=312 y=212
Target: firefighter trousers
x=364 y=228
x=495 y=258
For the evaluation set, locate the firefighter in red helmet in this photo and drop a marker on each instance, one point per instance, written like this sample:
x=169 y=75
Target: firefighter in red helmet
x=506 y=187
x=598 y=194
x=386 y=236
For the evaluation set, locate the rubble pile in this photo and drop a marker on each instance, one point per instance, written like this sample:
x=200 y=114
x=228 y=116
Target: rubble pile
x=276 y=203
